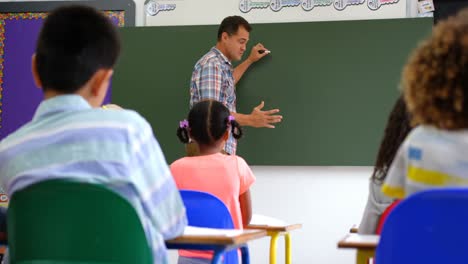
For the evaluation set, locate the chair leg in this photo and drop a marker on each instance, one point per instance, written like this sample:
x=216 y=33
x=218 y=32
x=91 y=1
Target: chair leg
x=217 y=256
x=274 y=239
x=245 y=255
x=287 y=245
x=363 y=255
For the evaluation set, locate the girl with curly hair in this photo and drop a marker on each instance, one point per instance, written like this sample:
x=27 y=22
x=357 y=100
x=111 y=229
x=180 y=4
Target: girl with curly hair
x=435 y=87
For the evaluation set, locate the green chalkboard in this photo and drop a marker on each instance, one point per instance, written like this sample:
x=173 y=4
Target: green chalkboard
x=334 y=82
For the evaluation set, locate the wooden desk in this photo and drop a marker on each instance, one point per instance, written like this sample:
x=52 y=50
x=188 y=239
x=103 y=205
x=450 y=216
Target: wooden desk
x=274 y=231
x=219 y=240
x=353 y=229
x=365 y=245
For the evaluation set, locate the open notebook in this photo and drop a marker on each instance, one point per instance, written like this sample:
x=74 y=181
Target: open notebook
x=262 y=220
x=257 y=220
x=202 y=231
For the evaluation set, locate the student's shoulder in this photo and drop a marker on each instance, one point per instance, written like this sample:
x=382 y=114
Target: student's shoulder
x=123 y=116
x=179 y=162
x=238 y=158
x=426 y=134
x=184 y=164
x=241 y=162
x=22 y=132
x=423 y=130
x=198 y=159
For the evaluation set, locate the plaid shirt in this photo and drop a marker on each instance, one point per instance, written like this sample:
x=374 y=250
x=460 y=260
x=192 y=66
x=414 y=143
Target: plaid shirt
x=212 y=79
x=116 y=148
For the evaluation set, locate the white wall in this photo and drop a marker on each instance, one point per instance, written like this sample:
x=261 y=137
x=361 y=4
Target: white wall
x=326 y=200
x=412 y=8
x=213 y=11
x=201 y=12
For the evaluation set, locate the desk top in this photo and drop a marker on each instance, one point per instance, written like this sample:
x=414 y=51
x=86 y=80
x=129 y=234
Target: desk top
x=359 y=241
x=285 y=228
x=268 y=223
x=194 y=235
x=354 y=229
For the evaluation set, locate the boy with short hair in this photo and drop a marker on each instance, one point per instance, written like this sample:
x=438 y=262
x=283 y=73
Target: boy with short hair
x=71 y=137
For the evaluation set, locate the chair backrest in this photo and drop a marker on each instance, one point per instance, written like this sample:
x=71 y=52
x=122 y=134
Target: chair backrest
x=60 y=221
x=384 y=216
x=206 y=210
x=427 y=227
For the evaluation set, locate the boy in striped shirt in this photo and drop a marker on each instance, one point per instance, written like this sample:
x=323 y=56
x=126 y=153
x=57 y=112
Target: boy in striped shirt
x=71 y=137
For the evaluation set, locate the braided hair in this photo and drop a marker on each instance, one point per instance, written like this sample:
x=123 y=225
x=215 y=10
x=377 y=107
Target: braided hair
x=207 y=122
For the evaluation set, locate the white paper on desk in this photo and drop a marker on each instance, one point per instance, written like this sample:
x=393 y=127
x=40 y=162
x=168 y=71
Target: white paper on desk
x=258 y=219
x=359 y=238
x=203 y=231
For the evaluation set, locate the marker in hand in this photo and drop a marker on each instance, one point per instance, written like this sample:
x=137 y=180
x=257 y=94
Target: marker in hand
x=264 y=51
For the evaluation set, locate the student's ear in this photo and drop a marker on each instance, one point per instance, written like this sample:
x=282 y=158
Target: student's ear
x=97 y=87
x=37 y=80
x=100 y=81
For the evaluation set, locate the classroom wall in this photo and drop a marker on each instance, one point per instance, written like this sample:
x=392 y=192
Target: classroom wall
x=326 y=200
x=203 y=12
x=412 y=8
x=212 y=11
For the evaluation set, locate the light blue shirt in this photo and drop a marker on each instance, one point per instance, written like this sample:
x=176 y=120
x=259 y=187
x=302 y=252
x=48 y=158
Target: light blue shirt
x=67 y=138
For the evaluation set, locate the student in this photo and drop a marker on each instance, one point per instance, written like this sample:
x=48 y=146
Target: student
x=71 y=137
x=214 y=77
x=227 y=177
x=398 y=127
x=435 y=85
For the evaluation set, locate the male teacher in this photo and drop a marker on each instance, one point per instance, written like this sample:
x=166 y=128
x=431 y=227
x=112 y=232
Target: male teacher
x=214 y=77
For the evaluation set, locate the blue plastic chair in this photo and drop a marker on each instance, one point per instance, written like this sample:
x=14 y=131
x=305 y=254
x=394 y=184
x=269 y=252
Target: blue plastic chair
x=206 y=210
x=427 y=227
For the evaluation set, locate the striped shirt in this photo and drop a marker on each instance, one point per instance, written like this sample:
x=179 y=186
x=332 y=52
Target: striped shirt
x=116 y=148
x=428 y=158
x=212 y=78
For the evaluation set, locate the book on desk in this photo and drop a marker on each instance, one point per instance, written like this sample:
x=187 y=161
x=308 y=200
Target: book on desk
x=269 y=223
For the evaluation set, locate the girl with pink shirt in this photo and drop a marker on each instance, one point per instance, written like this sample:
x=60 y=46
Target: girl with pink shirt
x=228 y=177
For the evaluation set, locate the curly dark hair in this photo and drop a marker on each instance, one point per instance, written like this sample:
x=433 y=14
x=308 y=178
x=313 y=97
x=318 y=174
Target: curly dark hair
x=398 y=127
x=435 y=79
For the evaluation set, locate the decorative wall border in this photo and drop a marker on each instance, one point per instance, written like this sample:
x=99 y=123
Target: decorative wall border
x=121 y=10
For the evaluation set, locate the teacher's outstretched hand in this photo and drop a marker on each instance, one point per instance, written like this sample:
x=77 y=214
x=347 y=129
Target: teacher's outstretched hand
x=261 y=118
